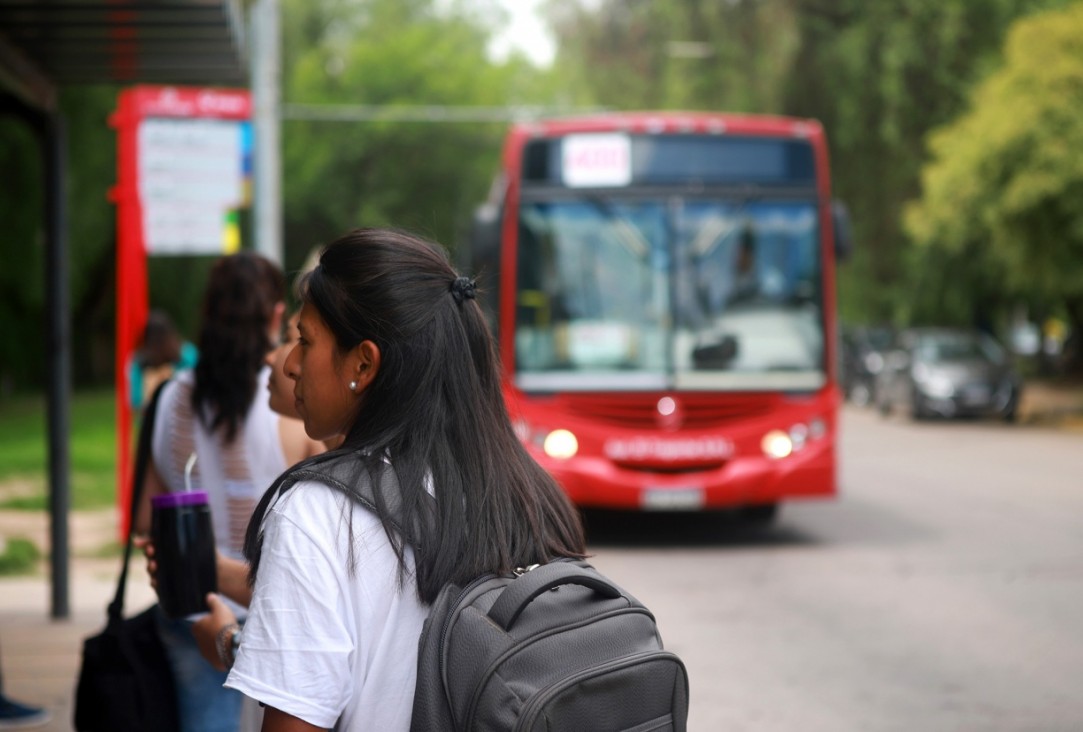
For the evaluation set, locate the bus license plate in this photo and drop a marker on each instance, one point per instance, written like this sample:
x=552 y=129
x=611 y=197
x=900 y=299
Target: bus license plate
x=672 y=499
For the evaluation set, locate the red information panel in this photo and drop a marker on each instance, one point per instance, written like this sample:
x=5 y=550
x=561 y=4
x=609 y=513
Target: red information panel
x=183 y=173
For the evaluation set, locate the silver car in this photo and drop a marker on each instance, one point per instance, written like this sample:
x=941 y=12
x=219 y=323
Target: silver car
x=948 y=372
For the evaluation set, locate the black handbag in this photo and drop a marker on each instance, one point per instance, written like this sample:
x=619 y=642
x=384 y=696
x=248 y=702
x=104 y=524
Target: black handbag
x=125 y=681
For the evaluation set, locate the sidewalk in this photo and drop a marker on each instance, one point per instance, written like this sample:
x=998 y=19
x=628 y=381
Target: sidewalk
x=40 y=657
x=1052 y=404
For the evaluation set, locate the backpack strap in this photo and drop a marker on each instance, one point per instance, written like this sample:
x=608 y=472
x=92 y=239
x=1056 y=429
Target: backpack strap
x=342 y=469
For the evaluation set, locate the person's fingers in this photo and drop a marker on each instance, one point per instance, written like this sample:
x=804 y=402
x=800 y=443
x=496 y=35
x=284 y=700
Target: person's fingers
x=219 y=610
x=205 y=631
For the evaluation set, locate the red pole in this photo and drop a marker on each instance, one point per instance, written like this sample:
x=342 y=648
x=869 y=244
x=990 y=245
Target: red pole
x=131 y=294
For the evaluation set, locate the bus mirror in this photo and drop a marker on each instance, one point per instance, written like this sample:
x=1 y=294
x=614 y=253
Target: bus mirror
x=840 y=223
x=485 y=239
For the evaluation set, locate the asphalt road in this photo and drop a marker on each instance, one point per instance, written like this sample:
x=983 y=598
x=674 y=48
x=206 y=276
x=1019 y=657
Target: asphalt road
x=942 y=590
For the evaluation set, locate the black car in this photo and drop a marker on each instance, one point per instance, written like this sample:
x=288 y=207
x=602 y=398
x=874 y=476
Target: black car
x=948 y=372
x=861 y=360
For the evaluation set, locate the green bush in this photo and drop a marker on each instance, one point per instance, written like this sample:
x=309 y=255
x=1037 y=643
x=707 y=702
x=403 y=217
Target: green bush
x=19 y=557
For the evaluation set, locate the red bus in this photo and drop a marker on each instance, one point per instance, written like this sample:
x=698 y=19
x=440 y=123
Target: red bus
x=662 y=288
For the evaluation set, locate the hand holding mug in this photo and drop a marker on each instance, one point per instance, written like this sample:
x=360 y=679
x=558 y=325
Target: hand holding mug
x=207 y=628
x=146 y=544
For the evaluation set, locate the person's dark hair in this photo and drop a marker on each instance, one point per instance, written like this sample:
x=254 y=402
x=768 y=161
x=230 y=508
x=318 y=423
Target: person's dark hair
x=238 y=305
x=161 y=341
x=436 y=410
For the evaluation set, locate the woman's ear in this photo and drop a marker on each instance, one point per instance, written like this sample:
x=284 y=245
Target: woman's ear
x=276 y=321
x=367 y=359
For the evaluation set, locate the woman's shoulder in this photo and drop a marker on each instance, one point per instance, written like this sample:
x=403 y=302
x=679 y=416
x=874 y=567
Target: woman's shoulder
x=313 y=503
x=179 y=385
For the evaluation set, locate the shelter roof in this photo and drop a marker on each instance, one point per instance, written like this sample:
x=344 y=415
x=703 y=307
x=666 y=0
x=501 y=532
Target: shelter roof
x=49 y=43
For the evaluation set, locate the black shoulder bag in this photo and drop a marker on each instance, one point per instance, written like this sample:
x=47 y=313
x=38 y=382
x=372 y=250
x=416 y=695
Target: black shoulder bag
x=125 y=682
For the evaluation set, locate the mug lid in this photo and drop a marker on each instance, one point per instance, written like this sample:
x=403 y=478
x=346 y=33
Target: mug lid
x=180 y=498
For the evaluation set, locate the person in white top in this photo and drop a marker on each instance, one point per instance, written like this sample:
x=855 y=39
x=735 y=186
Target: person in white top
x=218 y=413
x=396 y=355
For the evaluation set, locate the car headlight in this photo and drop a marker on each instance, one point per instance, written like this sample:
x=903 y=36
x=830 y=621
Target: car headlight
x=938 y=386
x=933 y=384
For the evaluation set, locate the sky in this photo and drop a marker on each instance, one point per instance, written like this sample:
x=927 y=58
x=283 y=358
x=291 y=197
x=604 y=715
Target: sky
x=525 y=31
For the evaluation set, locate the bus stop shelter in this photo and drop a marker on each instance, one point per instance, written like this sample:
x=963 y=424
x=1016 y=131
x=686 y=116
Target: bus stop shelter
x=46 y=45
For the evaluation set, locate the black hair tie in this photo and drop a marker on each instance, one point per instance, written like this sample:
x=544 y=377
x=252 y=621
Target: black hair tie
x=463 y=288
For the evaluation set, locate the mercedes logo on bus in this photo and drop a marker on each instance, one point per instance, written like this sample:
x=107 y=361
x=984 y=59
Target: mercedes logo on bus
x=670 y=415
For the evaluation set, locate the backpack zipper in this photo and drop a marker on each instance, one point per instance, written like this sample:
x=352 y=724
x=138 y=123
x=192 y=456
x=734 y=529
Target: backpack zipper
x=518 y=572
x=533 y=707
x=480 y=688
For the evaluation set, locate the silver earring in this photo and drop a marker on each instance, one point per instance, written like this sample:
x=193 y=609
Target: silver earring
x=353 y=385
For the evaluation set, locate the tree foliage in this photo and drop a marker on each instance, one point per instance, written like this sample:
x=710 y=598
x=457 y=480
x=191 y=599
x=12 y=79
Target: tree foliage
x=388 y=54
x=90 y=171
x=881 y=76
x=1004 y=191
x=683 y=54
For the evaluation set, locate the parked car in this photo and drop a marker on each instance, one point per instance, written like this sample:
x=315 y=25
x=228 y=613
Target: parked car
x=948 y=372
x=862 y=358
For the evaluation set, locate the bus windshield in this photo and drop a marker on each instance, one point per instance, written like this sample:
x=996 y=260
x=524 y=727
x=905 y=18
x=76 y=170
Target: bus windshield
x=619 y=292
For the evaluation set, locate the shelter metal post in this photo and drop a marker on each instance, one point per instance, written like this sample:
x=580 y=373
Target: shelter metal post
x=267 y=168
x=58 y=335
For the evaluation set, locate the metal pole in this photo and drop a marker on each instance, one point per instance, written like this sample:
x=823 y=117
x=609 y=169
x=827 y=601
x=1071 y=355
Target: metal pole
x=58 y=333
x=267 y=165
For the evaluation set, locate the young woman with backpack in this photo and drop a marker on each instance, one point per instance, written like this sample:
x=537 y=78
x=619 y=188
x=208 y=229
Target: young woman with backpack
x=396 y=355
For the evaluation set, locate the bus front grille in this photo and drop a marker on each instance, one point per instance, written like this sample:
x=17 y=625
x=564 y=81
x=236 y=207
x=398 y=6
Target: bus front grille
x=690 y=411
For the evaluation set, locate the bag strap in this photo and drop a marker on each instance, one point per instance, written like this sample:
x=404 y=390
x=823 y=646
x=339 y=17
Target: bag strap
x=142 y=457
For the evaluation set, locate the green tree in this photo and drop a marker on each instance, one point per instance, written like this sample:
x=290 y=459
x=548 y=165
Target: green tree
x=880 y=76
x=1005 y=184
x=21 y=277
x=90 y=171
x=387 y=54
x=682 y=54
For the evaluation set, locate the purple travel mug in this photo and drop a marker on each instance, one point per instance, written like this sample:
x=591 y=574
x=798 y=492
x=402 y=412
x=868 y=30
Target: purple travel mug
x=184 y=549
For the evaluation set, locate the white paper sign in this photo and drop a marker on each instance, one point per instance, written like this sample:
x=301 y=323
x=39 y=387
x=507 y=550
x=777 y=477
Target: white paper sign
x=603 y=160
x=191 y=175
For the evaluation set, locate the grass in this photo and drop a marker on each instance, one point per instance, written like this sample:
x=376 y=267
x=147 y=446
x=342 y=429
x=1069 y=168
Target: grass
x=24 y=446
x=19 y=556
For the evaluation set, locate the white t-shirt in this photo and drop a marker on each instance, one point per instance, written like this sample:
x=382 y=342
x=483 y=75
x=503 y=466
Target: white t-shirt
x=324 y=642
x=235 y=476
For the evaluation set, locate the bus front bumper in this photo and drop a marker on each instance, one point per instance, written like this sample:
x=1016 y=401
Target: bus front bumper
x=594 y=481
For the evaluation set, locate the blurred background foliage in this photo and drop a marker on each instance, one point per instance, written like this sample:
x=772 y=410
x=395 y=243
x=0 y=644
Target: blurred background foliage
x=953 y=127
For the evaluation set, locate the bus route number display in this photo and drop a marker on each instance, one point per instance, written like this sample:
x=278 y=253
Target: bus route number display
x=596 y=161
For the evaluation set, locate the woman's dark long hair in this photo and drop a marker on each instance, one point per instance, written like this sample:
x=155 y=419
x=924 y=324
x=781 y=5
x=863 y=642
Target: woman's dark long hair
x=436 y=409
x=238 y=305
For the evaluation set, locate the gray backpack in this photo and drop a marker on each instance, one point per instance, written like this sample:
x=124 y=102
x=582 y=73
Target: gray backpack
x=553 y=647
x=556 y=647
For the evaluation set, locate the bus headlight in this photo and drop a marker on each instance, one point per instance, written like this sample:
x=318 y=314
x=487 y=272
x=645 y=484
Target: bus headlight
x=560 y=444
x=798 y=435
x=776 y=444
